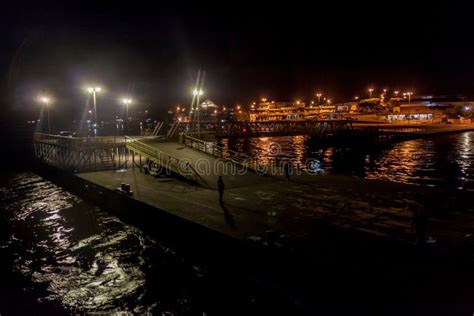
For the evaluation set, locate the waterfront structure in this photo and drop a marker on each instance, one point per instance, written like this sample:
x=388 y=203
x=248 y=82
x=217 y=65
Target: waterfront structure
x=278 y=111
x=415 y=113
x=208 y=111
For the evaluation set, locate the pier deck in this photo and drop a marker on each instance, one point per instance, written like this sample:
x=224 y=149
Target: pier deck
x=297 y=208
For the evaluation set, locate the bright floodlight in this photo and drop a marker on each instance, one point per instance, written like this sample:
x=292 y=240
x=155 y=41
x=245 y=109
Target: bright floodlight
x=198 y=92
x=127 y=101
x=44 y=99
x=94 y=89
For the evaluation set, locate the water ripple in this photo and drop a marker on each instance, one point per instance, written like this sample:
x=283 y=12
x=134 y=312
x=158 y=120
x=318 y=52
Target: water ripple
x=86 y=259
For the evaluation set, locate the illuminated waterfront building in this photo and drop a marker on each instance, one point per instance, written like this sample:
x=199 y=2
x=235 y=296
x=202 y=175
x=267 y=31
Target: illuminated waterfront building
x=282 y=111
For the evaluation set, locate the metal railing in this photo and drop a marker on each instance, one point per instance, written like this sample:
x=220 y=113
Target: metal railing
x=173 y=164
x=221 y=152
x=79 y=153
x=78 y=141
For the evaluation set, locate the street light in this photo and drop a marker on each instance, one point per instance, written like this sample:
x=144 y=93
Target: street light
x=409 y=94
x=197 y=93
x=370 y=92
x=127 y=102
x=319 y=97
x=45 y=101
x=396 y=93
x=94 y=90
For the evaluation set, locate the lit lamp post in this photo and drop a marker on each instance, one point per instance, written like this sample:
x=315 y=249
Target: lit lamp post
x=396 y=93
x=197 y=93
x=370 y=92
x=94 y=90
x=127 y=102
x=409 y=94
x=45 y=101
x=319 y=97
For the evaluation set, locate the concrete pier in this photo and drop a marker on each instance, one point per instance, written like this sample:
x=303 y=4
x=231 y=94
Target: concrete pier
x=310 y=239
x=255 y=204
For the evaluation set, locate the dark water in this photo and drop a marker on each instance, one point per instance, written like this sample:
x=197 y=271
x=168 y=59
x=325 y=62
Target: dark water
x=77 y=257
x=61 y=255
x=446 y=160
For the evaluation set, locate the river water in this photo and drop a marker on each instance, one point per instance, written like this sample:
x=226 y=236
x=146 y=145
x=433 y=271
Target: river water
x=443 y=161
x=62 y=255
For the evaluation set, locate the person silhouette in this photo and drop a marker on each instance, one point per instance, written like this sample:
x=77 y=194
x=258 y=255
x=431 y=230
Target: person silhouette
x=287 y=170
x=220 y=189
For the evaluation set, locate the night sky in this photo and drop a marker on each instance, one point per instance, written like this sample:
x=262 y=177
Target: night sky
x=281 y=51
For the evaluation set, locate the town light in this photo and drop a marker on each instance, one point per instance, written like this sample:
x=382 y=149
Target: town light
x=319 y=97
x=127 y=102
x=370 y=92
x=45 y=101
x=94 y=90
x=409 y=94
x=396 y=93
x=197 y=92
x=264 y=99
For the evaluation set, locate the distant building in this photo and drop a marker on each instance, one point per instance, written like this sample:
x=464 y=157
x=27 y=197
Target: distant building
x=415 y=112
x=208 y=112
x=278 y=111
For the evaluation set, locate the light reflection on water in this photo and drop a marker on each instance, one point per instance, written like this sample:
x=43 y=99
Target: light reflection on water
x=445 y=160
x=79 y=256
x=68 y=256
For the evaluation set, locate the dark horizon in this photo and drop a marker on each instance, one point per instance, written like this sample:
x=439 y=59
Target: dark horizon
x=153 y=54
